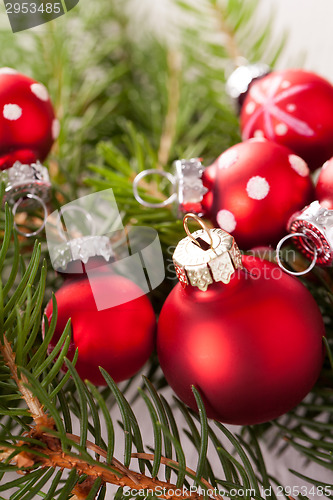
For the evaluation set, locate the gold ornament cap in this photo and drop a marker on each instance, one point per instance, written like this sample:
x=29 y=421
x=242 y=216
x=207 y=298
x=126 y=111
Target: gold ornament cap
x=206 y=256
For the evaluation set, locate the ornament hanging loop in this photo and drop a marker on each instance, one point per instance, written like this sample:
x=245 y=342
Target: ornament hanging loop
x=309 y=242
x=202 y=224
x=90 y=220
x=41 y=202
x=164 y=203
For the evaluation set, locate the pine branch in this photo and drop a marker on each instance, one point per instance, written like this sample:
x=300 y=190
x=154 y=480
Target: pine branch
x=118 y=475
x=49 y=453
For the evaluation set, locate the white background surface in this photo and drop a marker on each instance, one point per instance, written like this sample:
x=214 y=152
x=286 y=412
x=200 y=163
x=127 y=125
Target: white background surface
x=308 y=22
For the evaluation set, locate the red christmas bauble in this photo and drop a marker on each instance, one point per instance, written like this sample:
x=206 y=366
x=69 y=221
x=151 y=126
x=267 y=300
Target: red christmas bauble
x=253 y=347
x=258 y=185
x=120 y=338
x=293 y=108
x=324 y=187
x=28 y=125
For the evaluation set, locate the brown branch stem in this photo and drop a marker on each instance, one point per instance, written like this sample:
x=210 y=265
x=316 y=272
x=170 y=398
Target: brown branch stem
x=170 y=123
x=230 y=39
x=36 y=409
x=115 y=473
x=173 y=463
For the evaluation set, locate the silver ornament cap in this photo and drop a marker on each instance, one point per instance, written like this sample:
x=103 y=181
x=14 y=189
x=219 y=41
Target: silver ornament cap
x=189 y=183
x=187 y=186
x=241 y=78
x=315 y=222
x=22 y=180
x=81 y=249
x=206 y=256
x=27 y=187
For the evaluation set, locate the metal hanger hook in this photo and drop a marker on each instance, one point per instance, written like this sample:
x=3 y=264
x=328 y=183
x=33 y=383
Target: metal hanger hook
x=44 y=207
x=202 y=224
x=294 y=273
x=162 y=173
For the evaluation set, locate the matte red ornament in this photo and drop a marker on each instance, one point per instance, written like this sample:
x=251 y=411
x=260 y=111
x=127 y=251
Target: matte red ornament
x=293 y=108
x=257 y=187
x=324 y=187
x=120 y=339
x=252 y=347
x=28 y=125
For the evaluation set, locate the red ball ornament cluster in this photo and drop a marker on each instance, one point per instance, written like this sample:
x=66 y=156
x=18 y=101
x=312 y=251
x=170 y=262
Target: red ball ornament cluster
x=253 y=188
x=292 y=109
x=245 y=334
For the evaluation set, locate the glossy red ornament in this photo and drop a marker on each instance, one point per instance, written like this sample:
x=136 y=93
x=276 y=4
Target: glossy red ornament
x=253 y=347
x=258 y=185
x=324 y=187
x=293 y=108
x=119 y=338
x=28 y=125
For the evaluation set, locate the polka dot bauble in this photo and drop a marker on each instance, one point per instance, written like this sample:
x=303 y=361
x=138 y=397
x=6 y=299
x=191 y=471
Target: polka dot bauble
x=28 y=126
x=257 y=185
x=293 y=108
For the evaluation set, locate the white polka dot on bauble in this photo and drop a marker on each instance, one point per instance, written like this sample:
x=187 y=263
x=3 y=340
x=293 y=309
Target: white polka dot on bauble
x=226 y=220
x=257 y=188
x=258 y=134
x=40 y=91
x=55 y=129
x=250 y=107
x=291 y=107
x=285 y=84
x=324 y=167
x=257 y=139
x=8 y=71
x=12 y=112
x=299 y=165
x=281 y=129
x=227 y=159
